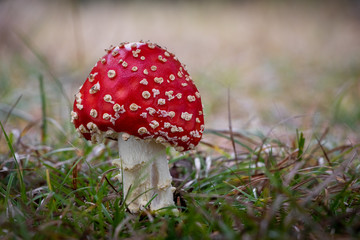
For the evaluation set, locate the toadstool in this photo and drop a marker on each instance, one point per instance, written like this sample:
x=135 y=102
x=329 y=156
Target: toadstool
x=142 y=96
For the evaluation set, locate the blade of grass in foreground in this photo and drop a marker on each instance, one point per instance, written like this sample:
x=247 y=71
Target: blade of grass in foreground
x=43 y=110
x=20 y=173
x=69 y=172
x=8 y=189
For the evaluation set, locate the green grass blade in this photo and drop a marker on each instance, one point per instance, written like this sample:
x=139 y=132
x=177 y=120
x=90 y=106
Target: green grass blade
x=300 y=143
x=69 y=172
x=8 y=188
x=19 y=171
x=43 y=109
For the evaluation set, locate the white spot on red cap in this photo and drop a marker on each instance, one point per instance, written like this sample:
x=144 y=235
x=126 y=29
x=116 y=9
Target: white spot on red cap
x=179 y=95
x=146 y=94
x=158 y=80
x=106 y=116
x=155 y=91
x=174 y=129
x=154 y=124
x=160 y=140
x=79 y=106
x=92 y=76
x=185 y=138
x=129 y=46
x=78 y=97
x=142 y=130
x=195 y=134
x=151 y=45
x=95 y=88
x=83 y=129
x=169 y=94
x=191 y=98
x=93 y=113
x=108 y=50
x=118 y=108
x=162 y=113
x=186 y=116
x=151 y=110
x=92 y=127
x=171 y=114
x=162 y=59
x=144 y=82
x=74 y=116
x=136 y=53
x=161 y=101
x=108 y=98
x=114 y=53
x=111 y=74
x=134 y=107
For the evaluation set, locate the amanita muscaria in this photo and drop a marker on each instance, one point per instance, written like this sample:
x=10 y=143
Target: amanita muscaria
x=142 y=96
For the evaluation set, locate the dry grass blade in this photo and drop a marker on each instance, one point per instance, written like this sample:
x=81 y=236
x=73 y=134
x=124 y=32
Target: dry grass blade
x=103 y=177
x=240 y=136
x=45 y=202
x=215 y=147
x=230 y=126
x=324 y=152
x=328 y=180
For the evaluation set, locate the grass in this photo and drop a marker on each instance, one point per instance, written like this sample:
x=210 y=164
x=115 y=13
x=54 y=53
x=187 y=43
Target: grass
x=295 y=178
x=271 y=190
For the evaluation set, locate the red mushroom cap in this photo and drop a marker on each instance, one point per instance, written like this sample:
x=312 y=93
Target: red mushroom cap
x=143 y=90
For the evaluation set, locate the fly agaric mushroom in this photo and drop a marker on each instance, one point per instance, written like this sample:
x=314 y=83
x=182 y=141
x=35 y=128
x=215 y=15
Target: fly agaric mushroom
x=142 y=96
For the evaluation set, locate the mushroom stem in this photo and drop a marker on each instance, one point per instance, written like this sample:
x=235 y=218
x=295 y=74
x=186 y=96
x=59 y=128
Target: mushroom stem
x=144 y=172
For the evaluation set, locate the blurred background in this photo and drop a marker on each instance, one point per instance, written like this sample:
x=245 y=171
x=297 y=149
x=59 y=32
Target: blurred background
x=287 y=64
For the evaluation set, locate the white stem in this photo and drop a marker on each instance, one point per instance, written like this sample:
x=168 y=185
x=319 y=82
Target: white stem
x=144 y=170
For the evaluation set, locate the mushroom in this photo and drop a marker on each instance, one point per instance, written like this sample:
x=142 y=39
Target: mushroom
x=142 y=96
